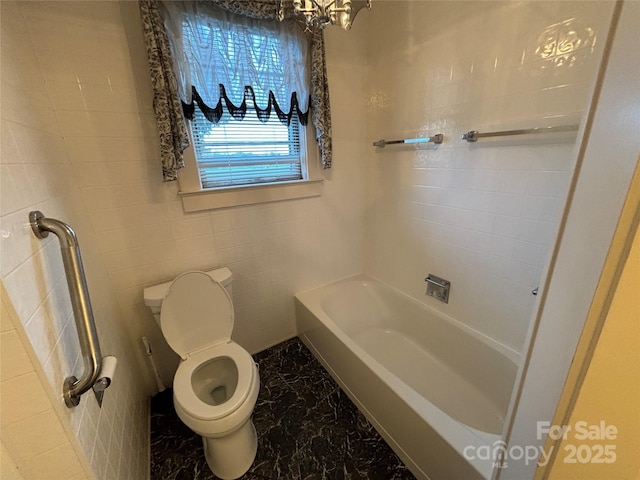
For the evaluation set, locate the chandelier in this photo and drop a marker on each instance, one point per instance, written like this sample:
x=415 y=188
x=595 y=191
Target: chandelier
x=330 y=12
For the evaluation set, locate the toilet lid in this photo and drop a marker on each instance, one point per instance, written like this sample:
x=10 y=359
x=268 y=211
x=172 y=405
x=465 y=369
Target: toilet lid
x=196 y=313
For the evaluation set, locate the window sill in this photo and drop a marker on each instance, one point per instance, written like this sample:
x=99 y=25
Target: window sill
x=235 y=196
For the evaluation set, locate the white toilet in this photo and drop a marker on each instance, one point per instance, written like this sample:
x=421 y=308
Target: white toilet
x=216 y=385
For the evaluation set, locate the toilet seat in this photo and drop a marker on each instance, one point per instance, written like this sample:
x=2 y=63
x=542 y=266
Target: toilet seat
x=185 y=395
x=197 y=321
x=196 y=313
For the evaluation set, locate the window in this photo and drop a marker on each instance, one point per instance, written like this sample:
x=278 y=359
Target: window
x=249 y=96
x=246 y=152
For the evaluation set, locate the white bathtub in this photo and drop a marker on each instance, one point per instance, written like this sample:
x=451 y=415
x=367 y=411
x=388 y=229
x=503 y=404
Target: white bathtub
x=435 y=390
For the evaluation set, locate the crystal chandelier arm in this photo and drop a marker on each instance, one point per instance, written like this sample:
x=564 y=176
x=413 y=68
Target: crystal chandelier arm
x=324 y=12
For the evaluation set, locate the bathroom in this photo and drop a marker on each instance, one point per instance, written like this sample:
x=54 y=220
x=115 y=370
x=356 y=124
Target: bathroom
x=80 y=143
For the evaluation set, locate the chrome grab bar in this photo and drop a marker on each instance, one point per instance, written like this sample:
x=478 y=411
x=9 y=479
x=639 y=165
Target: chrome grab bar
x=438 y=138
x=89 y=345
x=474 y=135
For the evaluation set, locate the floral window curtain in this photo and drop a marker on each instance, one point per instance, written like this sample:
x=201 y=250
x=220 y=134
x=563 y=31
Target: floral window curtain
x=167 y=104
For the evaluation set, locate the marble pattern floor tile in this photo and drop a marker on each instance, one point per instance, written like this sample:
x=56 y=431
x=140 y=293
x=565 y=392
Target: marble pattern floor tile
x=307 y=428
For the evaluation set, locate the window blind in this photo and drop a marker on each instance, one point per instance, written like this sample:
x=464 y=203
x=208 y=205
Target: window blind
x=246 y=152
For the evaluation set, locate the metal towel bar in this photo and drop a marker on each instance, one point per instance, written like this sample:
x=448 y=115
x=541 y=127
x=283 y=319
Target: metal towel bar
x=89 y=345
x=474 y=135
x=439 y=138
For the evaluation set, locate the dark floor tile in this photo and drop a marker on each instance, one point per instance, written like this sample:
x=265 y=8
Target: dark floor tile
x=307 y=428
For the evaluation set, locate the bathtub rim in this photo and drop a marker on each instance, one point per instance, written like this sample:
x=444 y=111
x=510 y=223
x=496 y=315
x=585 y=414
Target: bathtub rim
x=505 y=350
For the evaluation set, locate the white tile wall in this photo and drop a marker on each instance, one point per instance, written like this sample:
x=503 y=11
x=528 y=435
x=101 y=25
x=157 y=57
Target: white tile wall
x=34 y=443
x=274 y=250
x=98 y=140
x=482 y=216
x=41 y=437
x=8 y=468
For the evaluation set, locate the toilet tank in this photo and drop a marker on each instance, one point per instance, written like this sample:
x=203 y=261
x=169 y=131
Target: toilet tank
x=154 y=296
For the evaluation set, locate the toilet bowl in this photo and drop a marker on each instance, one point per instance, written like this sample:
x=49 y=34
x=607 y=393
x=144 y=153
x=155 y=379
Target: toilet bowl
x=216 y=385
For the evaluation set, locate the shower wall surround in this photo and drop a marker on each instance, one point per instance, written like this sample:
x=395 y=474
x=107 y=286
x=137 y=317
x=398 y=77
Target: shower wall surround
x=481 y=215
x=46 y=49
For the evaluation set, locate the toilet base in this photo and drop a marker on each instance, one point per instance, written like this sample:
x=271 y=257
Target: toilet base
x=230 y=456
